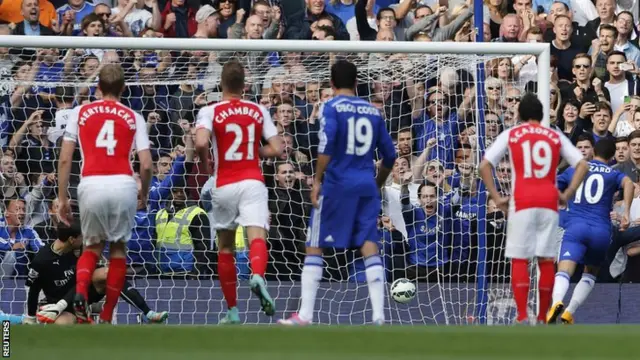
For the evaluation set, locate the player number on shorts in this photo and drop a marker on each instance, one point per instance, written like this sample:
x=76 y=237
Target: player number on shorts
x=586 y=189
x=359 y=136
x=537 y=159
x=106 y=137
x=232 y=153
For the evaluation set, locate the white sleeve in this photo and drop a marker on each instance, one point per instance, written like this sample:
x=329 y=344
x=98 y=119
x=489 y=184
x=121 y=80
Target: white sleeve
x=583 y=11
x=269 y=130
x=204 y=120
x=568 y=151
x=71 y=130
x=142 y=138
x=147 y=18
x=496 y=151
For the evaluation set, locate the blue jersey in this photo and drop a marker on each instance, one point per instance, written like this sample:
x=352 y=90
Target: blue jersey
x=87 y=8
x=587 y=221
x=426 y=236
x=593 y=200
x=350 y=131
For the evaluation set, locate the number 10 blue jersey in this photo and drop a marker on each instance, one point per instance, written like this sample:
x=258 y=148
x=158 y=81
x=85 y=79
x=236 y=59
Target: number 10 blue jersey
x=588 y=226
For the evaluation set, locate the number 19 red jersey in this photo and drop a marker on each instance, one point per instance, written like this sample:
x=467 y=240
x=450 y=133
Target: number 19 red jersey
x=534 y=152
x=106 y=132
x=237 y=126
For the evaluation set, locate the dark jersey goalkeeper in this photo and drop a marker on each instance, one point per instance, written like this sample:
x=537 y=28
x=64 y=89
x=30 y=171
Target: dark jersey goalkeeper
x=53 y=271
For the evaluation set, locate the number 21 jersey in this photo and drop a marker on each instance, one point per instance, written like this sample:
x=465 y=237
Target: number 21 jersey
x=534 y=152
x=236 y=126
x=107 y=132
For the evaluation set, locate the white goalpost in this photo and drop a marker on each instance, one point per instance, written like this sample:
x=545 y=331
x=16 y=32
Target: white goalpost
x=442 y=91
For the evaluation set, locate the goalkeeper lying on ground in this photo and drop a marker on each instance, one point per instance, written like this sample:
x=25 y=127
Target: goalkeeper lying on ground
x=53 y=270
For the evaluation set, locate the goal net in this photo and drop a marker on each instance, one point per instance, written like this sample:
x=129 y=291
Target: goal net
x=442 y=106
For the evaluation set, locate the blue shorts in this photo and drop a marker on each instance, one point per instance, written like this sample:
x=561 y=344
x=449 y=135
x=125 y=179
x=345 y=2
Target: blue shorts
x=585 y=244
x=344 y=222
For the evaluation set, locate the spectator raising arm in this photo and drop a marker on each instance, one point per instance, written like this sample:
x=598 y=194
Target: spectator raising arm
x=447 y=32
x=16 y=141
x=404 y=8
x=362 y=8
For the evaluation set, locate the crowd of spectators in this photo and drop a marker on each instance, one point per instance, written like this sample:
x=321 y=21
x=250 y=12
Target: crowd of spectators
x=431 y=202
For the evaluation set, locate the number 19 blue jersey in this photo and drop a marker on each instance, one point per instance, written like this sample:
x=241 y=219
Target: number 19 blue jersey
x=351 y=130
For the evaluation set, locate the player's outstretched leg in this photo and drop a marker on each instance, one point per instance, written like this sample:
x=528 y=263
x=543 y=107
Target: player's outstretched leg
x=115 y=279
x=130 y=295
x=545 y=287
x=134 y=298
x=227 y=275
x=258 y=257
x=84 y=273
x=580 y=294
x=15 y=319
x=309 y=282
x=566 y=268
x=520 y=282
x=375 y=280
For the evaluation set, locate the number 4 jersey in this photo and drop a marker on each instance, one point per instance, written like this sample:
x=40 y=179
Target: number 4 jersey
x=534 y=152
x=236 y=126
x=107 y=132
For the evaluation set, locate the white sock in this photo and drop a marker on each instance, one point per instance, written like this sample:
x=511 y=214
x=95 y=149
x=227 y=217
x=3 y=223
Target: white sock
x=580 y=293
x=560 y=287
x=310 y=279
x=375 y=282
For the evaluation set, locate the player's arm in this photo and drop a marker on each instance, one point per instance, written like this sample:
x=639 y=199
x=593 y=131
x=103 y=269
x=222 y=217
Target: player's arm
x=387 y=151
x=575 y=159
x=64 y=164
x=144 y=156
x=627 y=197
x=204 y=129
x=275 y=144
x=492 y=157
x=326 y=147
x=35 y=286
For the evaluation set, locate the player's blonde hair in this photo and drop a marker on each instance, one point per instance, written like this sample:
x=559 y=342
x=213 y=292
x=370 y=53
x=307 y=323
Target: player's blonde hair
x=111 y=82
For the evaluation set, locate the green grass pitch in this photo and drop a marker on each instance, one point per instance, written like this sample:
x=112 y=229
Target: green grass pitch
x=323 y=342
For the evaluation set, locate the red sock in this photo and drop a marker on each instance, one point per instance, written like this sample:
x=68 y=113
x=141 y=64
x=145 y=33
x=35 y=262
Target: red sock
x=84 y=272
x=545 y=286
x=115 y=282
x=258 y=256
x=228 y=278
x=520 y=285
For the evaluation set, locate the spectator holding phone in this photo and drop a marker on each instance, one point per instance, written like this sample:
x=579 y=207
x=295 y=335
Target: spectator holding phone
x=621 y=83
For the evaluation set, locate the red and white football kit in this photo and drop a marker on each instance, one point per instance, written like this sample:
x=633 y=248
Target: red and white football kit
x=239 y=196
x=534 y=152
x=106 y=132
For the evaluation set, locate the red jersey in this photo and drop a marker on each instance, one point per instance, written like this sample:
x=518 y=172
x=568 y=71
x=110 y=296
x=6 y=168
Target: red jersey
x=237 y=126
x=106 y=132
x=534 y=152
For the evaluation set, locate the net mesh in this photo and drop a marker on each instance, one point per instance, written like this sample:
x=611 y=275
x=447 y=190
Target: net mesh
x=432 y=112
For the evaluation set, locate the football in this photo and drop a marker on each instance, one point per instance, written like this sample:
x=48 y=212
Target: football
x=403 y=290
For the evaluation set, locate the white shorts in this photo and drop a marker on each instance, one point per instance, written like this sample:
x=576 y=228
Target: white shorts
x=532 y=233
x=107 y=208
x=245 y=203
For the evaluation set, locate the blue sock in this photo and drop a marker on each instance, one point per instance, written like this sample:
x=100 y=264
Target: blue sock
x=14 y=319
